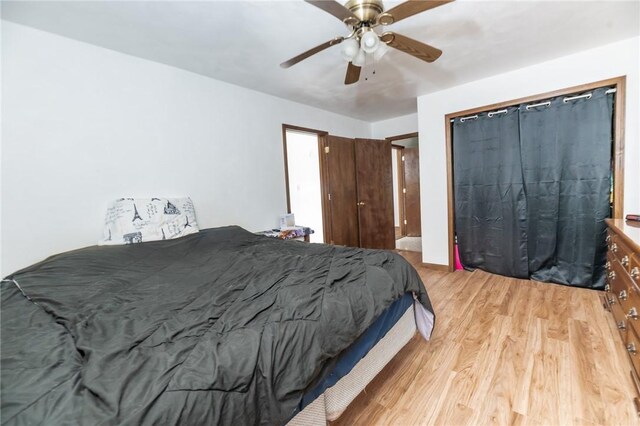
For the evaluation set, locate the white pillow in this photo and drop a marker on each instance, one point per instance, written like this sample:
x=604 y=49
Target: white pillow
x=135 y=220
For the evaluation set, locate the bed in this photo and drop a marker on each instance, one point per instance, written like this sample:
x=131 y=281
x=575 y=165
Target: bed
x=219 y=327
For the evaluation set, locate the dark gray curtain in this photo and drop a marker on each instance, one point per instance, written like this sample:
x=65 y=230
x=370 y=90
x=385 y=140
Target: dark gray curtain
x=566 y=160
x=532 y=189
x=490 y=206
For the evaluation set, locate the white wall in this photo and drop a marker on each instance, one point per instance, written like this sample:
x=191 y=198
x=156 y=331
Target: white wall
x=394 y=126
x=613 y=60
x=83 y=125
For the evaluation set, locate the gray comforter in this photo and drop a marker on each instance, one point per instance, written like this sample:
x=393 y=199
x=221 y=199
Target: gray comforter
x=220 y=327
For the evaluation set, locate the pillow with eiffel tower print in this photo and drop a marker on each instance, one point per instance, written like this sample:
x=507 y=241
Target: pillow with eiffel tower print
x=137 y=220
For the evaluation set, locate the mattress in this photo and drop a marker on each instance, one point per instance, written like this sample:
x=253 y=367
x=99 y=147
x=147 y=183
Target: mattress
x=332 y=403
x=354 y=353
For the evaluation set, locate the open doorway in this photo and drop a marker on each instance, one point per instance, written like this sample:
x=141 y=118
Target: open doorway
x=302 y=169
x=340 y=187
x=406 y=192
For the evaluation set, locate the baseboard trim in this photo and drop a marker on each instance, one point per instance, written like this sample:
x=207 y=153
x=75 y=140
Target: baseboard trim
x=436 y=266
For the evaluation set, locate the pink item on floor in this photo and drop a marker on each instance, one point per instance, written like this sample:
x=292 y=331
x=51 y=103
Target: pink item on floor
x=458 y=264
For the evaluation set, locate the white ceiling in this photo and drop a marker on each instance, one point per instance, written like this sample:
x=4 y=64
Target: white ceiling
x=244 y=42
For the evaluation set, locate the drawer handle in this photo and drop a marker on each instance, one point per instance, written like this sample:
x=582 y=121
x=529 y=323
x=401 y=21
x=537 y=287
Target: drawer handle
x=621 y=325
x=623 y=295
x=625 y=260
x=608 y=238
x=607 y=265
x=633 y=313
x=631 y=348
x=635 y=273
x=612 y=275
x=613 y=247
x=607 y=287
x=611 y=300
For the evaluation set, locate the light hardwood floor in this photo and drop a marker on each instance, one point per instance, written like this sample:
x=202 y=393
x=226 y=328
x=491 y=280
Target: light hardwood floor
x=504 y=351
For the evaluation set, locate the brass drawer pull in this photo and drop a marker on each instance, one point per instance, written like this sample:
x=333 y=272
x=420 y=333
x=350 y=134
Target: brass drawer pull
x=608 y=238
x=607 y=265
x=612 y=275
x=633 y=313
x=623 y=295
x=631 y=348
x=621 y=325
x=611 y=301
x=613 y=247
x=607 y=287
x=635 y=273
x=625 y=260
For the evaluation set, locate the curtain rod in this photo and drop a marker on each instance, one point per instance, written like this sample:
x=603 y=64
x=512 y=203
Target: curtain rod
x=547 y=103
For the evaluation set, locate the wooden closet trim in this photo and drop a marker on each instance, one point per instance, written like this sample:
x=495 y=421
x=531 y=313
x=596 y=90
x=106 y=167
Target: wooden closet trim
x=321 y=141
x=618 y=143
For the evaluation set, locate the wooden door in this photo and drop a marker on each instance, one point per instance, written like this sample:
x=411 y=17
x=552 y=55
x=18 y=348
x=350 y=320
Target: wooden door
x=375 y=193
x=339 y=191
x=412 y=192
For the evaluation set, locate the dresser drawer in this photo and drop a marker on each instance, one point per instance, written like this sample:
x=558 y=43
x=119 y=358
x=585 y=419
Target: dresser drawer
x=634 y=269
x=619 y=317
x=630 y=304
x=617 y=278
x=621 y=251
x=633 y=348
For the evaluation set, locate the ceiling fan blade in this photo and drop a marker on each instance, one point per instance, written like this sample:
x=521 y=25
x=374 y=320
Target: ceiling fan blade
x=353 y=74
x=311 y=52
x=412 y=47
x=407 y=9
x=336 y=9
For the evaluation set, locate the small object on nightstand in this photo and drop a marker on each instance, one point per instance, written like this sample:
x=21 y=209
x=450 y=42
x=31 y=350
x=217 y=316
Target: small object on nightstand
x=295 y=232
x=287 y=221
x=633 y=220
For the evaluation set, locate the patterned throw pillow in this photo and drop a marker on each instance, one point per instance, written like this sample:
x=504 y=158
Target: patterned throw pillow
x=137 y=220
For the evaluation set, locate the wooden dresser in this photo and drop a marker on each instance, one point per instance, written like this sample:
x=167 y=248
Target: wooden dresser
x=623 y=290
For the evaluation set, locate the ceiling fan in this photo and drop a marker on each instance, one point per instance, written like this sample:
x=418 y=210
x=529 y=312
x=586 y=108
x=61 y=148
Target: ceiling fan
x=362 y=17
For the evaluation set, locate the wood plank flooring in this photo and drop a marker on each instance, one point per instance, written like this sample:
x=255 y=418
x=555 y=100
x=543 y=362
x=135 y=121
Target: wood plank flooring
x=504 y=351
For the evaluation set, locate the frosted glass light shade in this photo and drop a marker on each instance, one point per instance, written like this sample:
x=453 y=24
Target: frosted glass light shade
x=359 y=59
x=369 y=42
x=380 y=51
x=349 y=49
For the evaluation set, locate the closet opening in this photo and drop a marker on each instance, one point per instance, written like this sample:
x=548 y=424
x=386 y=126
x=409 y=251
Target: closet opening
x=530 y=182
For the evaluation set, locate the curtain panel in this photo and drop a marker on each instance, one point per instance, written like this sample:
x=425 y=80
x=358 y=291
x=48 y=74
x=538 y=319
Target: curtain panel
x=532 y=188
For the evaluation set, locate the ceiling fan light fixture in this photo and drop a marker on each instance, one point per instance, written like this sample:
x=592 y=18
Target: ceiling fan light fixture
x=369 y=42
x=380 y=51
x=360 y=59
x=350 y=49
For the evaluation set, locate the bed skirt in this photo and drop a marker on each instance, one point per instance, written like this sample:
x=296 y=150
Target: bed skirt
x=335 y=400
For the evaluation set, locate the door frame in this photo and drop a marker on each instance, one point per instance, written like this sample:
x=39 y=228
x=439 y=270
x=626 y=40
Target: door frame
x=401 y=184
x=322 y=135
x=403 y=228
x=619 y=83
